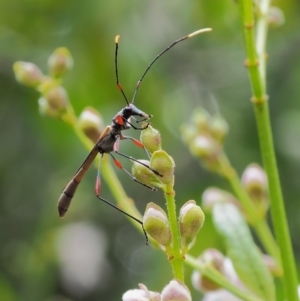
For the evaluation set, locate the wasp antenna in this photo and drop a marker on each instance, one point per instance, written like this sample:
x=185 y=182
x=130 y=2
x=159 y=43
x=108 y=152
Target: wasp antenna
x=164 y=51
x=198 y=32
x=117 y=38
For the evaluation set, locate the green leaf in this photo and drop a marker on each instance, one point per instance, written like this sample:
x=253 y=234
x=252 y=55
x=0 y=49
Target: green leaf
x=243 y=252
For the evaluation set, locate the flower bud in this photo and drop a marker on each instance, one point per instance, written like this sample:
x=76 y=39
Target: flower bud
x=176 y=291
x=91 y=123
x=46 y=110
x=144 y=174
x=142 y=294
x=205 y=147
x=272 y=265
x=191 y=219
x=208 y=149
x=213 y=195
x=54 y=102
x=28 y=74
x=156 y=224
x=276 y=17
x=201 y=119
x=255 y=181
x=164 y=165
x=210 y=258
x=151 y=139
x=60 y=62
x=218 y=127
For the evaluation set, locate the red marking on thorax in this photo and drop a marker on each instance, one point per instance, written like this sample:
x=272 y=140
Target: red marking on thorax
x=119 y=120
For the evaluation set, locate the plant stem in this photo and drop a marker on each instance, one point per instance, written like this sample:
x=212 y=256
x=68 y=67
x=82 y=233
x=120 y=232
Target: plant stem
x=177 y=260
x=277 y=204
x=261 y=37
x=257 y=79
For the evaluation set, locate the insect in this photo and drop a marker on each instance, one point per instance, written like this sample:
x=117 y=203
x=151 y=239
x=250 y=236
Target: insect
x=108 y=141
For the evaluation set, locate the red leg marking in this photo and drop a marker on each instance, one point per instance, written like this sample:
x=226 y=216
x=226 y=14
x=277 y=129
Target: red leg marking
x=138 y=143
x=118 y=163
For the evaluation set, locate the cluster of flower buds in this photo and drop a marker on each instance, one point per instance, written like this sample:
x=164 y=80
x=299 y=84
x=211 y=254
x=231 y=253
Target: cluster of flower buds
x=156 y=224
x=213 y=259
x=204 y=136
x=174 y=291
x=155 y=220
x=160 y=161
x=53 y=101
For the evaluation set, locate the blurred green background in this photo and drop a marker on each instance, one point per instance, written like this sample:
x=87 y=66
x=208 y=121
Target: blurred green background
x=94 y=253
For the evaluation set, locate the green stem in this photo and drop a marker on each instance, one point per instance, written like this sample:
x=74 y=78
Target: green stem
x=252 y=61
x=261 y=37
x=177 y=260
x=218 y=278
x=277 y=204
x=257 y=79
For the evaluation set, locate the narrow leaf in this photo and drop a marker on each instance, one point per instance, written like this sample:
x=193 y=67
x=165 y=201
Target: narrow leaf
x=243 y=252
